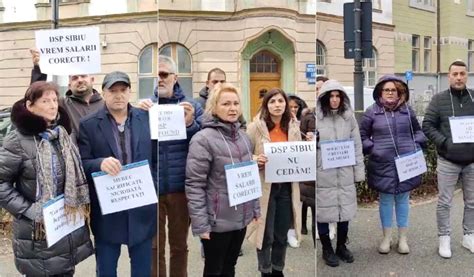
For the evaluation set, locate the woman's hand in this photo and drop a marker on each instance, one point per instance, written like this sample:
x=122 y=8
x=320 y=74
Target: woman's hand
x=261 y=161
x=205 y=236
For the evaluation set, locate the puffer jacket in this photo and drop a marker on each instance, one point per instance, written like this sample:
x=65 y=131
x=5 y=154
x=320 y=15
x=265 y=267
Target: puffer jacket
x=308 y=189
x=202 y=98
x=378 y=144
x=336 y=196
x=206 y=186
x=173 y=154
x=436 y=124
x=18 y=193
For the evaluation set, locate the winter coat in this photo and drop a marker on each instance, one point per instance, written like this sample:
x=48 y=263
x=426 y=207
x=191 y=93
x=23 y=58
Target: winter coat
x=18 y=193
x=376 y=130
x=336 y=196
x=202 y=98
x=259 y=134
x=206 y=186
x=436 y=124
x=308 y=189
x=173 y=154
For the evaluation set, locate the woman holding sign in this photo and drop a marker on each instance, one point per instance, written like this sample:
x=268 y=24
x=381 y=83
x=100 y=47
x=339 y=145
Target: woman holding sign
x=390 y=130
x=340 y=164
x=39 y=162
x=280 y=202
x=222 y=182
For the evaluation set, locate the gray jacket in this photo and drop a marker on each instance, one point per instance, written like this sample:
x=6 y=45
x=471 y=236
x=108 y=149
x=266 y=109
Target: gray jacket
x=18 y=192
x=206 y=187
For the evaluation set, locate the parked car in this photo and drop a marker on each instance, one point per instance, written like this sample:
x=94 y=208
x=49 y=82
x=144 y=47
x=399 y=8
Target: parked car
x=5 y=123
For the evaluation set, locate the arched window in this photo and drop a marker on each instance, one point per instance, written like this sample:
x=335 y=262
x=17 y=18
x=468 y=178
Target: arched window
x=147 y=71
x=320 y=59
x=264 y=62
x=370 y=69
x=182 y=58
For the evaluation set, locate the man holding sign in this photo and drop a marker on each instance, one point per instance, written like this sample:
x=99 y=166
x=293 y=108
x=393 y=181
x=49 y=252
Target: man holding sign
x=117 y=135
x=448 y=122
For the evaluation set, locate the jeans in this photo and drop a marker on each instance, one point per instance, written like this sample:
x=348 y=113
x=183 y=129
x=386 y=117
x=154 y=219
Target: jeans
x=402 y=209
x=278 y=222
x=173 y=207
x=221 y=252
x=107 y=255
x=448 y=175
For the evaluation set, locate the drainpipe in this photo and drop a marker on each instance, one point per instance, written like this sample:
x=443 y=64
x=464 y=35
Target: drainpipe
x=438 y=45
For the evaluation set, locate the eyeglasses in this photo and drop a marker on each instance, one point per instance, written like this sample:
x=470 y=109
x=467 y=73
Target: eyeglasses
x=164 y=75
x=217 y=81
x=389 y=90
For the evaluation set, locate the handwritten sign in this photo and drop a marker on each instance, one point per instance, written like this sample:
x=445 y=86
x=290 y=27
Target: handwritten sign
x=290 y=161
x=167 y=122
x=132 y=188
x=410 y=165
x=338 y=153
x=69 y=51
x=462 y=129
x=56 y=224
x=243 y=182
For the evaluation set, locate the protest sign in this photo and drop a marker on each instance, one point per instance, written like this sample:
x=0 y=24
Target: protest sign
x=69 y=51
x=410 y=165
x=167 y=122
x=243 y=182
x=56 y=224
x=462 y=129
x=132 y=188
x=337 y=153
x=290 y=161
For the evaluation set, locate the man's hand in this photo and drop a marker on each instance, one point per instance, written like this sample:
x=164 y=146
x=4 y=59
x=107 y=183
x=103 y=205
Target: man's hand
x=111 y=166
x=188 y=113
x=145 y=104
x=35 y=56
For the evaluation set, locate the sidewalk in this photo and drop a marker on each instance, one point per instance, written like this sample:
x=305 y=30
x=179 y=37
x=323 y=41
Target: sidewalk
x=423 y=260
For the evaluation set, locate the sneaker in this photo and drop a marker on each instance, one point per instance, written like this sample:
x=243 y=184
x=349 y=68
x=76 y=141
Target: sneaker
x=292 y=241
x=332 y=230
x=468 y=242
x=445 y=247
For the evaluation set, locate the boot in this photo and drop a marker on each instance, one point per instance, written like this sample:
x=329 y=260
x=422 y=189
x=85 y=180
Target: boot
x=445 y=246
x=314 y=233
x=402 y=241
x=341 y=250
x=277 y=273
x=328 y=253
x=384 y=247
x=266 y=274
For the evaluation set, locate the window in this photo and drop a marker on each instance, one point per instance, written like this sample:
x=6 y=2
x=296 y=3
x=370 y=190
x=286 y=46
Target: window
x=264 y=61
x=376 y=5
x=183 y=61
x=415 y=53
x=427 y=54
x=470 y=55
x=370 y=70
x=320 y=59
x=427 y=5
x=147 y=71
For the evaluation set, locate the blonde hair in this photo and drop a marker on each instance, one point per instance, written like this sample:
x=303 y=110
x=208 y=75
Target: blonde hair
x=215 y=94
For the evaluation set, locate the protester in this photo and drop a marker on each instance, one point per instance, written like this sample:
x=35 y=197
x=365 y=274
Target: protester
x=336 y=196
x=219 y=143
x=455 y=160
x=297 y=106
x=39 y=162
x=319 y=83
x=214 y=77
x=116 y=135
x=280 y=201
x=389 y=129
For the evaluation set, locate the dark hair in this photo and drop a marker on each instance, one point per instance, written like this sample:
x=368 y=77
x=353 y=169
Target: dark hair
x=322 y=78
x=457 y=63
x=36 y=90
x=301 y=104
x=265 y=114
x=215 y=70
x=326 y=107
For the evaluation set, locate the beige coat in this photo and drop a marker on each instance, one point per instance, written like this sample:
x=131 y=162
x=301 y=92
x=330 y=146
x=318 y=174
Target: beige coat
x=258 y=133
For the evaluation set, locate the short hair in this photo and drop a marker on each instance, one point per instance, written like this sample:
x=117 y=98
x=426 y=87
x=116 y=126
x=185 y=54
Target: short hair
x=457 y=63
x=169 y=61
x=215 y=70
x=322 y=78
x=216 y=93
x=37 y=89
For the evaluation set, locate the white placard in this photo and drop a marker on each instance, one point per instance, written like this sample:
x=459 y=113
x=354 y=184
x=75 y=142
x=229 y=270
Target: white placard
x=56 y=224
x=337 y=153
x=290 y=161
x=132 y=188
x=167 y=122
x=410 y=165
x=69 y=51
x=243 y=182
x=462 y=129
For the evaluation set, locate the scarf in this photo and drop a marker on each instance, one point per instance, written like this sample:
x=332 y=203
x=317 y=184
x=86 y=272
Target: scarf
x=76 y=190
x=390 y=104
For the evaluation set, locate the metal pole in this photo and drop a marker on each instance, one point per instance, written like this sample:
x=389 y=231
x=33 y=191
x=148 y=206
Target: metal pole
x=358 y=73
x=438 y=46
x=54 y=24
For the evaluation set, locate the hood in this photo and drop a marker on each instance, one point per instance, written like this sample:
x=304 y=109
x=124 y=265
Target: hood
x=178 y=95
x=388 y=78
x=327 y=87
x=28 y=123
x=94 y=98
x=204 y=92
